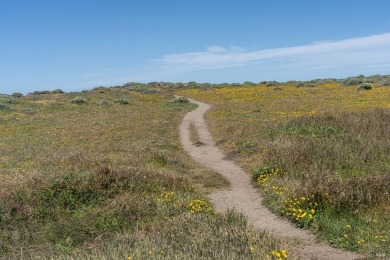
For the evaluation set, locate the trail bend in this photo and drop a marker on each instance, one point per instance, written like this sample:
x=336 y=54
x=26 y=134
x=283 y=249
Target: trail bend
x=242 y=196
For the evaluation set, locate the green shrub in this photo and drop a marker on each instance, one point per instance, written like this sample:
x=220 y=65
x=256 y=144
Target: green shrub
x=365 y=86
x=139 y=88
x=180 y=100
x=305 y=85
x=151 y=91
x=248 y=83
x=58 y=91
x=41 y=92
x=353 y=81
x=17 y=95
x=9 y=100
x=122 y=101
x=4 y=107
x=271 y=83
x=79 y=100
x=385 y=82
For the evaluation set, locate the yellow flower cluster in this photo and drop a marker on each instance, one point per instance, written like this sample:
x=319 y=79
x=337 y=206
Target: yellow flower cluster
x=280 y=255
x=198 y=206
x=381 y=238
x=300 y=210
x=266 y=173
x=166 y=196
x=360 y=241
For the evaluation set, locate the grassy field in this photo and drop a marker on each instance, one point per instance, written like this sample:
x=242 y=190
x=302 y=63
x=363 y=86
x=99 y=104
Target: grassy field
x=320 y=153
x=101 y=174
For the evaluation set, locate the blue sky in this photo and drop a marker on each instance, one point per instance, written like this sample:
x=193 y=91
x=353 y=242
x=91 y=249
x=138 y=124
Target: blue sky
x=81 y=44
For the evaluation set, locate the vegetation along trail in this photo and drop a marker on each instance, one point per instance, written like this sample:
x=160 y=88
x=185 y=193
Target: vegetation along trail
x=242 y=196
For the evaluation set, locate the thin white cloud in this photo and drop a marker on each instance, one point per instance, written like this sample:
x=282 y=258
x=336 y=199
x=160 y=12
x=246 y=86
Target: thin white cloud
x=364 y=51
x=216 y=49
x=366 y=55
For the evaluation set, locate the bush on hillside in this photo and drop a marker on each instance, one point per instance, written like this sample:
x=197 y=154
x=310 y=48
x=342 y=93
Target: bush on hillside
x=41 y=92
x=58 y=91
x=180 y=100
x=79 y=100
x=365 y=86
x=9 y=100
x=17 y=95
x=122 y=101
x=4 y=107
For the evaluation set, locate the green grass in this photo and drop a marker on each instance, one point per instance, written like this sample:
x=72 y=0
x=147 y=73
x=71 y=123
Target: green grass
x=320 y=155
x=109 y=179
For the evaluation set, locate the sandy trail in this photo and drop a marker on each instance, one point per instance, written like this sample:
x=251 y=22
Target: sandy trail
x=242 y=196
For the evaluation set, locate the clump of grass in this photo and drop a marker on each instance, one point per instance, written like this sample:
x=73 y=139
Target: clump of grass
x=122 y=101
x=79 y=100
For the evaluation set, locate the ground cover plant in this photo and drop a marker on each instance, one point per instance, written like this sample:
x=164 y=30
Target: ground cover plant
x=101 y=174
x=319 y=151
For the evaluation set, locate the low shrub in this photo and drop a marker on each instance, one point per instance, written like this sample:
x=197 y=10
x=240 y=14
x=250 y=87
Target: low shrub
x=151 y=91
x=58 y=91
x=180 y=100
x=385 y=82
x=79 y=100
x=41 y=92
x=17 y=95
x=9 y=100
x=353 y=81
x=271 y=83
x=4 y=107
x=122 y=101
x=365 y=86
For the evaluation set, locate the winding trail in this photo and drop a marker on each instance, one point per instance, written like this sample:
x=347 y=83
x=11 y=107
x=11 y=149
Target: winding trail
x=242 y=196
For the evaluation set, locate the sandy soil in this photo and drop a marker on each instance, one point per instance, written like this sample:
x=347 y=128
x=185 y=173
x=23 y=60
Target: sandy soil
x=243 y=197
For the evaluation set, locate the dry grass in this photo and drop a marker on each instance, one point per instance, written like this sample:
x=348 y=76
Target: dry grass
x=106 y=179
x=328 y=142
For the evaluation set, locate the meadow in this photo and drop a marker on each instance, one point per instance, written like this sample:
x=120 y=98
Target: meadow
x=318 y=152
x=101 y=174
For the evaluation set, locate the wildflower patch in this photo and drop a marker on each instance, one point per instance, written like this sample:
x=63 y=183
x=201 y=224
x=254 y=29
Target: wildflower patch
x=199 y=206
x=301 y=211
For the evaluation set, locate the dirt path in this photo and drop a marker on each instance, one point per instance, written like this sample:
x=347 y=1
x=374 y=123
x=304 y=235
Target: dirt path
x=242 y=196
